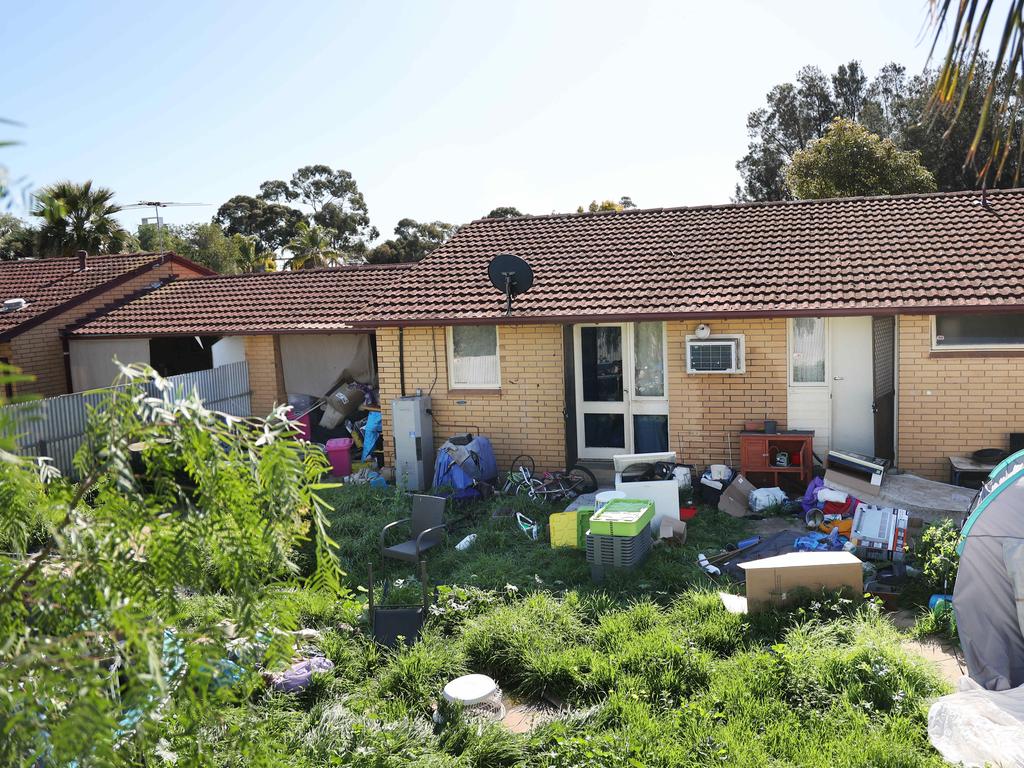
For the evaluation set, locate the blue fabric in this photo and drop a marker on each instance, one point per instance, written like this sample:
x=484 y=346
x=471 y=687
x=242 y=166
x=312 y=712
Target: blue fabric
x=820 y=542
x=371 y=433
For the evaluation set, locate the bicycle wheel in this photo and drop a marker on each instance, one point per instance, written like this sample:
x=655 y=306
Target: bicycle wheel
x=522 y=460
x=580 y=479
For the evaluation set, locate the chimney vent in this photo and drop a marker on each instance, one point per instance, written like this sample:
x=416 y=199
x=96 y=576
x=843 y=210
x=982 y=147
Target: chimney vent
x=81 y=260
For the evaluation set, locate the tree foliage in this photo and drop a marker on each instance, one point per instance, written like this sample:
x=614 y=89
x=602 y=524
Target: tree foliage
x=335 y=202
x=608 y=205
x=272 y=224
x=504 y=212
x=413 y=240
x=17 y=239
x=205 y=244
x=890 y=105
x=995 y=124
x=313 y=247
x=850 y=161
x=78 y=217
x=172 y=496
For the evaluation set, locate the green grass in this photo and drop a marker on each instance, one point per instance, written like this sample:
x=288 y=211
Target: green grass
x=652 y=669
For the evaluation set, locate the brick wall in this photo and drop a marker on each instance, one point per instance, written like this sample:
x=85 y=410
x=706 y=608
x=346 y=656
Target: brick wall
x=707 y=411
x=952 y=405
x=39 y=351
x=266 y=374
x=524 y=417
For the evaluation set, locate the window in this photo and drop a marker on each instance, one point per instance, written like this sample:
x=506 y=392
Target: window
x=715 y=354
x=473 y=357
x=649 y=360
x=989 y=330
x=807 y=350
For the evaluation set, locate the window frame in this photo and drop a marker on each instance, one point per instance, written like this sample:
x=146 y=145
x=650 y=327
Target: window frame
x=936 y=347
x=789 y=355
x=741 y=353
x=450 y=345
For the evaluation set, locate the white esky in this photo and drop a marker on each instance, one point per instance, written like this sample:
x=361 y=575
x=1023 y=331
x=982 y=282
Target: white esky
x=441 y=110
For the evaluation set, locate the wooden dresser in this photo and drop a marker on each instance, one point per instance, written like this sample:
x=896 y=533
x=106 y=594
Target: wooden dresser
x=759 y=453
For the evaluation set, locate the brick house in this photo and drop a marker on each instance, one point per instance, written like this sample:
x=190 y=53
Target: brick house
x=58 y=292
x=296 y=329
x=890 y=326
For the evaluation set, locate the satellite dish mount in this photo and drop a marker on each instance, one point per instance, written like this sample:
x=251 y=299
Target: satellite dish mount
x=510 y=275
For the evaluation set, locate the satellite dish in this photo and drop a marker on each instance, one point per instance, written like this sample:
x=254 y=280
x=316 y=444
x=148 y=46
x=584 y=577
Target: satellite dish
x=510 y=275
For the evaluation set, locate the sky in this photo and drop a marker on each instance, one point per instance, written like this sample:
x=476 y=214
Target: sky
x=441 y=110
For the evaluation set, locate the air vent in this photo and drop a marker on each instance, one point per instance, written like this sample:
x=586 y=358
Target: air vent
x=13 y=305
x=715 y=354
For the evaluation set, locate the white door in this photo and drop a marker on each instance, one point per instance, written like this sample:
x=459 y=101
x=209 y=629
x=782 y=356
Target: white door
x=853 y=421
x=621 y=389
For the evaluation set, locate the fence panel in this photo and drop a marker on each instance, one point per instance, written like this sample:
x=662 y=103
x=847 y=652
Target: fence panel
x=55 y=426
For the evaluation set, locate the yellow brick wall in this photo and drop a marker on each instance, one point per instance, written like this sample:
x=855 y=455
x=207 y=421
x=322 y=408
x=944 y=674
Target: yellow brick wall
x=952 y=405
x=39 y=350
x=524 y=417
x=707 y=411
x=266 y=375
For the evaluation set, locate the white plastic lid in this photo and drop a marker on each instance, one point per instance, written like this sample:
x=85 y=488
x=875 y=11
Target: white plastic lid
x=605 y=496
x=470 y=689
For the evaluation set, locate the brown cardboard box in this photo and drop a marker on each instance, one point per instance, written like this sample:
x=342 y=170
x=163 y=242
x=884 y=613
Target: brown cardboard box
x=859 y=487
x=771 y=580
x=736 y=497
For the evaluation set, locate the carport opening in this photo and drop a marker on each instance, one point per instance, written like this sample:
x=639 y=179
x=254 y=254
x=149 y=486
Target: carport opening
x=172 y=355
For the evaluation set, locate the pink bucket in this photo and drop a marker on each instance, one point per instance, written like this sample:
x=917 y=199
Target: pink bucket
x=339 y=453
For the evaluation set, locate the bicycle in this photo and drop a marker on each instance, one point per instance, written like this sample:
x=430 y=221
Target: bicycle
x=566 y=485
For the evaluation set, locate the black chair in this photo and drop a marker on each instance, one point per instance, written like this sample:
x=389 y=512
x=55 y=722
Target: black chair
x=428 y=530
x=398 y=623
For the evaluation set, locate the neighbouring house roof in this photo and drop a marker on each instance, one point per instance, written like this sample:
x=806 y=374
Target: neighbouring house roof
x=54 y=285
x=300 y=301
x=930 y=252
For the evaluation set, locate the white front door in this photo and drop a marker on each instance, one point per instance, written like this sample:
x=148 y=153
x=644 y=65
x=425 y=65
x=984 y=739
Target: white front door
x=621 y=389
x=853 y=420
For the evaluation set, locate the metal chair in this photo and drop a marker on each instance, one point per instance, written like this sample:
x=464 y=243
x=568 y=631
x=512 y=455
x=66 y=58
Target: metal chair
x=428 y=529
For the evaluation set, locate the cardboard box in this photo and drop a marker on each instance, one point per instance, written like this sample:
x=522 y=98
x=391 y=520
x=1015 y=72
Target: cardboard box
x=771 y=581
x=673 y=530
x=735 y=499
x=858 y=486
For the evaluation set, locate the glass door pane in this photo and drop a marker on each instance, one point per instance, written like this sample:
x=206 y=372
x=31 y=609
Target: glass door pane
x=648 y=360
x=601 y=357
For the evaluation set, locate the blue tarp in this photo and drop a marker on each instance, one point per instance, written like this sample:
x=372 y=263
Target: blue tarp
x=459 y=466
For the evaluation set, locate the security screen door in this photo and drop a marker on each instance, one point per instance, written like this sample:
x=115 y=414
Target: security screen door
x=621 y=389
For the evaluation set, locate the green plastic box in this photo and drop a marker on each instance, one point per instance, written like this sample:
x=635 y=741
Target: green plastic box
x=623 y=517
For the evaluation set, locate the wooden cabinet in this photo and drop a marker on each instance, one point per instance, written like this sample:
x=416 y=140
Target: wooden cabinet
x=760 y=458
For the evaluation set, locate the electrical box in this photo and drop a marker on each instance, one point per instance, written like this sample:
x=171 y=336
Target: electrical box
x=414 y=442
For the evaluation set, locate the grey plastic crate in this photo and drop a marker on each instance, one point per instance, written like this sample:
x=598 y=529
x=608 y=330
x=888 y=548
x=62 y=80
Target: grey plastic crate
x=618 y=551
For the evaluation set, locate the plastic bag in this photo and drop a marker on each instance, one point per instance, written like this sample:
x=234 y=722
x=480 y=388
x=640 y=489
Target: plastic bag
x=762 y=498
x=977 y=727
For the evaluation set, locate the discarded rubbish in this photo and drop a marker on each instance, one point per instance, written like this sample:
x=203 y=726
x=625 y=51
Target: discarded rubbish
x=298 y=676
x=466 y=543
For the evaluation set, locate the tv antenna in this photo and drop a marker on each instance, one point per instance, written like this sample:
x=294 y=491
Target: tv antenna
x=156 y=205
x=510 y=275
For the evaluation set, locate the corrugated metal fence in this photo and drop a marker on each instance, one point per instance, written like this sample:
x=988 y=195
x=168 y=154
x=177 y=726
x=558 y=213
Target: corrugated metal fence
x=55 y=426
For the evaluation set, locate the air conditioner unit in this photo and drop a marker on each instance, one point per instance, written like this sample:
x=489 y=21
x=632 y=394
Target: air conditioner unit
x=715 y=354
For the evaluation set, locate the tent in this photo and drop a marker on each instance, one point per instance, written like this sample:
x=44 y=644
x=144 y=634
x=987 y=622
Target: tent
x=988 y=598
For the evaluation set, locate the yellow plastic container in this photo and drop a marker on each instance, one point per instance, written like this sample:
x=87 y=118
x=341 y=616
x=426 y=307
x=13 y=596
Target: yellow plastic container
x=569 y=529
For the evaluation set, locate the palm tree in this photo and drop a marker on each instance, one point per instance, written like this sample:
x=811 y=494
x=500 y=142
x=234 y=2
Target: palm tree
x=312 y=247
x=250 y=257
x=966 y=22
x=78 y=217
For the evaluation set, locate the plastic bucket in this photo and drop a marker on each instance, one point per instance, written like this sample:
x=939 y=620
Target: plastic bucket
x=339 y=453
x=605 y=496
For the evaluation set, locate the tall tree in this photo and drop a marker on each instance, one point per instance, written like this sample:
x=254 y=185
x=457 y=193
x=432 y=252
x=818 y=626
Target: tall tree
x=850 y=161
x=312 y=247
x=504 y=212
x=608 y=205
x=413 y=240
x=17 y=239
x=272 y=224
x=78 y=217
x=335 y=203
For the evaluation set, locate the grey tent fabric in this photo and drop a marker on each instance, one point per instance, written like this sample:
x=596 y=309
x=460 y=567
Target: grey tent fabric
x=990 y=581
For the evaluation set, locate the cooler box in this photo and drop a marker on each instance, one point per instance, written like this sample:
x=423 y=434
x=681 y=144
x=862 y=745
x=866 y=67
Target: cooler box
x=623 y=517
x=339 y=453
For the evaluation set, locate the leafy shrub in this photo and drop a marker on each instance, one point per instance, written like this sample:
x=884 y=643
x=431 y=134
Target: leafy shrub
x=937 y=556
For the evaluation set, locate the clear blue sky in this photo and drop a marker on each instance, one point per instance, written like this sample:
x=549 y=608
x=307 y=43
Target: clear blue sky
x=441 y=110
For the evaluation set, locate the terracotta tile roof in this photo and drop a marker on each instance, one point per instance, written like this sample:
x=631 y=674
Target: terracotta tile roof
x=267 y=302
x=902 y=253
x=52 y=285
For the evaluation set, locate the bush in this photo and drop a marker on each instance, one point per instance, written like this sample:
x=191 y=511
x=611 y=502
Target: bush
x=937 y=556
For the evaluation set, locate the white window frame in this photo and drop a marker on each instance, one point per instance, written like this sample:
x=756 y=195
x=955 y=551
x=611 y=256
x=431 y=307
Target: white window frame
x=789 y=357
x=741 y=351
x=450 y=344
x=936 y=347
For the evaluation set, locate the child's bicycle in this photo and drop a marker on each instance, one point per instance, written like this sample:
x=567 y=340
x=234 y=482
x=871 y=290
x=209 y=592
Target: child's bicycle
x=567 y=485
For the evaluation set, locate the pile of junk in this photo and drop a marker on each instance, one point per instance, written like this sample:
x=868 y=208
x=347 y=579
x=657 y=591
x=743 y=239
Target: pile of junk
x=346 y=424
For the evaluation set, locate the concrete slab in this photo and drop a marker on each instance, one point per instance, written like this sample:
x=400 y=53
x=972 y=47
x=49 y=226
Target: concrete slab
x=927 y=499
x=523 y=718
x=944 y=658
